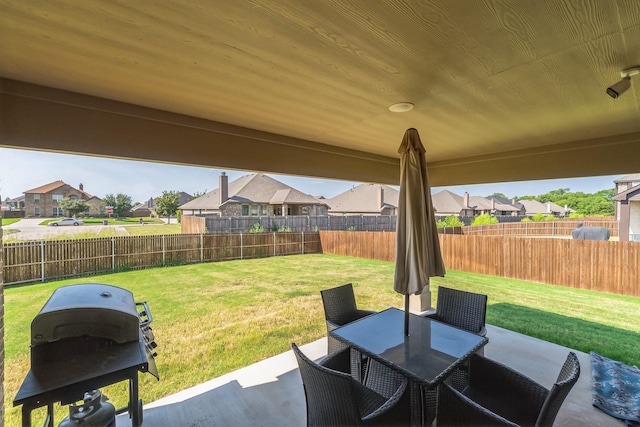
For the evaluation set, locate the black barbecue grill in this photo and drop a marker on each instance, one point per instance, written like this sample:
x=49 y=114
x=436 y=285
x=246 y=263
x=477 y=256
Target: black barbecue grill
x=85 y=337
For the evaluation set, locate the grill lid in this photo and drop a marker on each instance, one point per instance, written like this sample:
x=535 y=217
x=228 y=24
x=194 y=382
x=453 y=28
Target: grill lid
x=89 y=309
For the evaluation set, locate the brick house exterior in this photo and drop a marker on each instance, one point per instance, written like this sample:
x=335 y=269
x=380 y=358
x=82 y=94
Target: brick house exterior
x=44 y=201
x=254 y=195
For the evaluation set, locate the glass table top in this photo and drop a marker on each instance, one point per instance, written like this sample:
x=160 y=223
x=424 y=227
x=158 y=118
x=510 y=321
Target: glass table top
x=427 y=355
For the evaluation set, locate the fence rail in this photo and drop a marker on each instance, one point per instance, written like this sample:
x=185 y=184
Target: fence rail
x=538 y=228
x=46 y=260
x=299 y=223
x=612 y=266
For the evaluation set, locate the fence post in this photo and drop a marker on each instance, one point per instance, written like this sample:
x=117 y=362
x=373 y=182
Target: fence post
x=42 y=261
x=526 y=228
x=113 y=254
x=274 y=243
x=163 y=252
x=241 y=245
x=303 y=243
x=503 y=229
x=201 y=247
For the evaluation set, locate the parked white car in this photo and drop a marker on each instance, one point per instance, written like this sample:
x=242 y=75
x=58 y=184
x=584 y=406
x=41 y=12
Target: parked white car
x=67 y=221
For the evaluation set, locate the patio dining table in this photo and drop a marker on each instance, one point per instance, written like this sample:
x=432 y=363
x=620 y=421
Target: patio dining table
x=427 y=356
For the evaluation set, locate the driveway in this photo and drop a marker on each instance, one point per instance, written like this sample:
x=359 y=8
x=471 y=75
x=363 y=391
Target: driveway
x=28 y=229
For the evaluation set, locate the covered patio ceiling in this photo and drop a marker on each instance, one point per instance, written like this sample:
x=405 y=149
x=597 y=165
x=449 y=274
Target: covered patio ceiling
x=503 y=90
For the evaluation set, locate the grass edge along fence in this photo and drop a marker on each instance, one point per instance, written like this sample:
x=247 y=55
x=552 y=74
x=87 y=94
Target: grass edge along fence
x=33 y=261
x=604 y=266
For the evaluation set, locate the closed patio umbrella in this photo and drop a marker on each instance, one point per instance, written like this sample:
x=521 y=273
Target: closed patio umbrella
x=418 y=254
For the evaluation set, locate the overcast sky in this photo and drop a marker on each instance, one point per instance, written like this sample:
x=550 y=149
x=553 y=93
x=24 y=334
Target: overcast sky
x=22 y=170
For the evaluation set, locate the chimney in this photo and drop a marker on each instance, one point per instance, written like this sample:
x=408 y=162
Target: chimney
x=381 y=197
x=493 y=204
x=223 y=190
x=465 y=199
x=549 y=207
x=513 y=201
x=81 y=187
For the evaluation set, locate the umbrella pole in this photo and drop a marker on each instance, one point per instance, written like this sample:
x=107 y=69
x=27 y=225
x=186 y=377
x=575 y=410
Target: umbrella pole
x=406 y=315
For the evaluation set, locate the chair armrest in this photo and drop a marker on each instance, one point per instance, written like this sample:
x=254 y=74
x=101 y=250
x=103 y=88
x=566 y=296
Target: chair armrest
x=365 y=393
x=339 y=361
x=456 y=409
x=487 y=377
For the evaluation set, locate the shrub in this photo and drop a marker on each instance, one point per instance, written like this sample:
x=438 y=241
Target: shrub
x=450 y=221
x=284 y=229
x=537 y=217
x=256 y=228
x=484 y=219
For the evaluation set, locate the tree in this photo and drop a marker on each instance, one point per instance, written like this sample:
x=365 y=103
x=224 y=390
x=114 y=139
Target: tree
x=497 y=195
x=450 y=221
x=121 y=203
x=484 y=219
x=73 y=206
x=167 y=204
x=199 y=194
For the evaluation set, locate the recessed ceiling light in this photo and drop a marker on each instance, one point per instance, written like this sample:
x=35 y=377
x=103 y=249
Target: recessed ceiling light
x=401 y=107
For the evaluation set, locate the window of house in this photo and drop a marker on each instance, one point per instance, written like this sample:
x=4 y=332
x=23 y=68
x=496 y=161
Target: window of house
x=264 y=209
x=321 y=210
x=245 y=210
x=36 y=212
x=74 y=197
x=57 y=198
x=57 y=212
x=254 y=209
x=304 y=210
x=36 y=198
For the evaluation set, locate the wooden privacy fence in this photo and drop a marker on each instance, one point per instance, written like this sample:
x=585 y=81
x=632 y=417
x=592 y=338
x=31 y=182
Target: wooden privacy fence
x=232 y=224
x=539 y=228
x=603 y=266
x=47 y=260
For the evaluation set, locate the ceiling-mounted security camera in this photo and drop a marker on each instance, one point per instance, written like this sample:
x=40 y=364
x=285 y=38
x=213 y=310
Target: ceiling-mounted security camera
x=621 y=87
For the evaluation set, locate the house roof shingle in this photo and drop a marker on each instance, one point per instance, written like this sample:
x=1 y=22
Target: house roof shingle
x=52 y=186
x=446 y=202
x=364 y=198
x=628 y=178
x=253 y=188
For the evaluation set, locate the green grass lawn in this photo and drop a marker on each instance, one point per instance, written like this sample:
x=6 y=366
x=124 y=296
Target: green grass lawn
x=130 y=225
x=111 y=221
x=9 y=221
x=210 y=319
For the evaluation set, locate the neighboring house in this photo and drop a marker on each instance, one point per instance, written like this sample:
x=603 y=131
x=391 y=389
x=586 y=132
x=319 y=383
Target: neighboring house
x=254 y=195
x=365 y=199
x=506 y=207
x=534 y=207
x=446 y=203
x=628 y=207
x=622 y=185
x=44 y=201
x=149 y=208
x=16 y=204
x=145 y=209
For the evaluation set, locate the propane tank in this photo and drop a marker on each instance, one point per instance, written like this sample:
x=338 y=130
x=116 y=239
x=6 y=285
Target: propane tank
x=94 y=411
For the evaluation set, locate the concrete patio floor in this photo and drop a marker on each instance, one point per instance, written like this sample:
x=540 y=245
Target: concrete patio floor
x=269 y=393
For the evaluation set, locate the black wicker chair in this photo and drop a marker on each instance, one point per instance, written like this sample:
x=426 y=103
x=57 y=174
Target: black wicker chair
x=339 y=309
x=464 y=310
x=499 y=396
x=334 y=398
